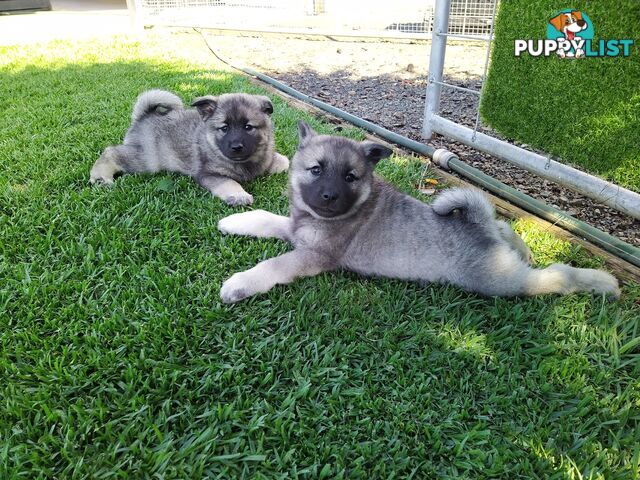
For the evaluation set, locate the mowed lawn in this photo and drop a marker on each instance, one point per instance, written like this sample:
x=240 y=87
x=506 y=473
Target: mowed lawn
x=117 y=359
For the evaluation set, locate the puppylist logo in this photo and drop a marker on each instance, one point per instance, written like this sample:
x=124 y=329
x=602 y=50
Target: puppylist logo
x=570 y=35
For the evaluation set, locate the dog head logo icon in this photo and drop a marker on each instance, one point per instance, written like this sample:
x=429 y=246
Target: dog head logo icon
x=570 y=28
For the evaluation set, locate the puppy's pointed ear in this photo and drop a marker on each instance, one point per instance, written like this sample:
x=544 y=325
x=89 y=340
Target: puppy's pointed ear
x=305 y=133
x=265 y=104
x=206 y=106
x=374 y=152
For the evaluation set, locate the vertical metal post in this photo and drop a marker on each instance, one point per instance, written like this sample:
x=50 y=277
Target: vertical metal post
x=135 y=15
x=465 y=14
x=486 y=66
x=436 y=64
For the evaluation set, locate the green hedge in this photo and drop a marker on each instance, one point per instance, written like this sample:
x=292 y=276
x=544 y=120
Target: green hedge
x=584 y=111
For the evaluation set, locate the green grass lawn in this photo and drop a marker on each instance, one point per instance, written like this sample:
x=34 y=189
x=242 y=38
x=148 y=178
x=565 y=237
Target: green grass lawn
x=117 y=359
x=584 y=111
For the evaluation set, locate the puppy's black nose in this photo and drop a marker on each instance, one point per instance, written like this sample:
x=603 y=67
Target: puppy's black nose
x=581 y=23
x=237 y=147
x=329 y=196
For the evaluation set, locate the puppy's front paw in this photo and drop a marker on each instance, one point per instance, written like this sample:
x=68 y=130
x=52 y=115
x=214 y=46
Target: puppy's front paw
x=101 y=181
x=99 y=177
x=239 y=198
x=234 y=224
x=280 y=163
x=236 y=288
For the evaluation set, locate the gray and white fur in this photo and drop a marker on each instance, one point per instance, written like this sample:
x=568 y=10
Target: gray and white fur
x=343 y=216
x=223 y=142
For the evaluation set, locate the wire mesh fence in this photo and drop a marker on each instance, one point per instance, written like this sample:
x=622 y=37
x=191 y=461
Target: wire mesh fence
x=377 y=18
x=471 y=17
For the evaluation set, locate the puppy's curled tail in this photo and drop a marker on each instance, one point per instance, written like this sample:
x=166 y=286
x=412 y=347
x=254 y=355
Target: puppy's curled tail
x=155 y=101
x=470 y=201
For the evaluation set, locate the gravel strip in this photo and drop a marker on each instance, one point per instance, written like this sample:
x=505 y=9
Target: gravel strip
x=385 y=83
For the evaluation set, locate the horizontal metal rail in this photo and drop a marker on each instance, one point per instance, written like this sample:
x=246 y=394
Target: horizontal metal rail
x=612 y=195
x=456 y=87
x=482 y=38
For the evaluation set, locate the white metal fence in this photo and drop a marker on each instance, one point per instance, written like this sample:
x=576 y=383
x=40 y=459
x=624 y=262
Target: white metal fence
x=377 y=18
x=544 y=166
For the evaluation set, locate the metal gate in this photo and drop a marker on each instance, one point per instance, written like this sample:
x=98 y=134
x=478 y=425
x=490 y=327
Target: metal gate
x=600 y=190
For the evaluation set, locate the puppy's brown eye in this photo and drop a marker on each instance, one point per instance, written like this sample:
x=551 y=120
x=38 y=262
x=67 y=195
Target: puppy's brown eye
x=350 y=177
x=248 y=127
x=315 y=170
x=224 y=128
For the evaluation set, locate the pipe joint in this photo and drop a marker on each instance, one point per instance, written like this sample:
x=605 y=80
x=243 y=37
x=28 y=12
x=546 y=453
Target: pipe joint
x=442 y=156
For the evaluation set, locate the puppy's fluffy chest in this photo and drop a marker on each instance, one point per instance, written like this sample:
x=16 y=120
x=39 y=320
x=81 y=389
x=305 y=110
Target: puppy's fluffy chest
x=330 y=237
x=310 y=233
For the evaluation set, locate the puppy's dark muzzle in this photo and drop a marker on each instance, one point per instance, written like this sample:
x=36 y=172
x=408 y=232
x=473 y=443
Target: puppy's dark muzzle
x=327 y=212
x=328 y=205
x=238 y=153
x=238 y=158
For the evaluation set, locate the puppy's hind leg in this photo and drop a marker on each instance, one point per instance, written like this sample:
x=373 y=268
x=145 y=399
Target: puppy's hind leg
x=112 y=161
x=563 y=279
x=257 y=223
x=515 y=240
x=504 y=274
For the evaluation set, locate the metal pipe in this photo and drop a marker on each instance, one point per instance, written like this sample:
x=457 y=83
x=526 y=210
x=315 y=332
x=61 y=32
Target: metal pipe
x=456 y=87
x=600 y=190
x=135 y=15
x=436 y=64
x=458 y=36
x=486 y=65
x=621 y=249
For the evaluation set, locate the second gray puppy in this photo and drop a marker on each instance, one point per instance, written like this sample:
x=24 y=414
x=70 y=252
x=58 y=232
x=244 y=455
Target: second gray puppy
x=223 y=142
x=342 y=216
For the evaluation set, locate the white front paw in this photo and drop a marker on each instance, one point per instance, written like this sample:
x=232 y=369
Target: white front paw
x=97 y=180
x=280 y=163
x=234 y=224
x=101 y=175
x=237 y=288
x=239 y=198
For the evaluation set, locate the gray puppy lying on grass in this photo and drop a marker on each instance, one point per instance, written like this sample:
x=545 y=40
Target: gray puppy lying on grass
x=224 y=141
x=342 y=216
